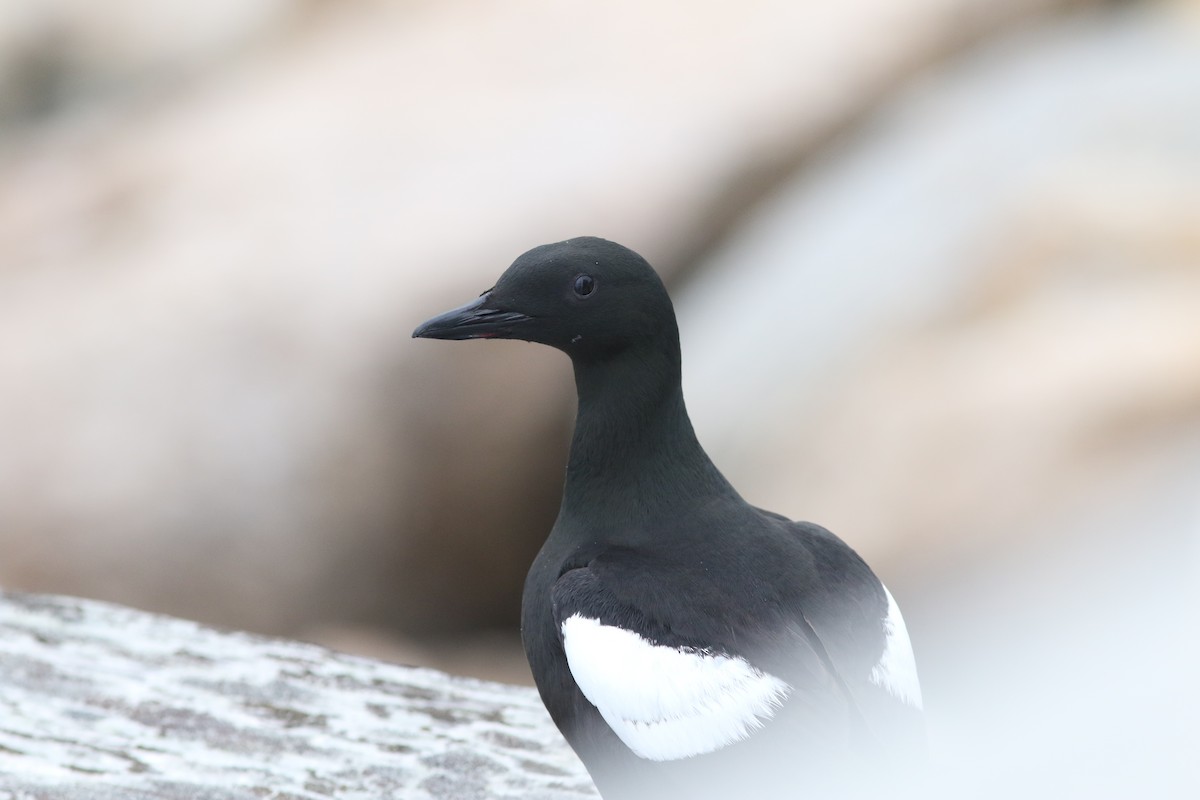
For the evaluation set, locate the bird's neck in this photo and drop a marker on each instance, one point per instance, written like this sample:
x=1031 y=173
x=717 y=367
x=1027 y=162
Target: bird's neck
x=634 y=450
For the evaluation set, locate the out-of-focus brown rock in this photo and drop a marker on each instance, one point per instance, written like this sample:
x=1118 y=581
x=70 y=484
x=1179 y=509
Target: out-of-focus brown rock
x=209 y=404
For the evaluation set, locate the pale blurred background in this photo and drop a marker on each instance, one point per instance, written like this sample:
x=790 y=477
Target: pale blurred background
x=936 y=263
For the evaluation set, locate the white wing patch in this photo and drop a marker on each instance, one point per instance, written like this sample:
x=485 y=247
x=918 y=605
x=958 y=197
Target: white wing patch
x=897 y=668
x=665 y=702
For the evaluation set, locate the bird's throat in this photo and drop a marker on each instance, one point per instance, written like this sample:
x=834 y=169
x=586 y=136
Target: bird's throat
x=633 y=439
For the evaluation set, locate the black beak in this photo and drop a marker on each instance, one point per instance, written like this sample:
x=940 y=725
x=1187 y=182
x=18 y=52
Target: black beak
x=476 y=320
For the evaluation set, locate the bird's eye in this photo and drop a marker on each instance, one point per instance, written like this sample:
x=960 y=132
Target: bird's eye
x=585 y=285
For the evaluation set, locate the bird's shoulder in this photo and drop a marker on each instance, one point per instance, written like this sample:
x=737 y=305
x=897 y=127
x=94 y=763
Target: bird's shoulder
x=672 y=676
x=737 y=580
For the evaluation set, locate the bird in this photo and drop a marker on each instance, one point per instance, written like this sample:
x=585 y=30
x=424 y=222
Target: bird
x=686 y=643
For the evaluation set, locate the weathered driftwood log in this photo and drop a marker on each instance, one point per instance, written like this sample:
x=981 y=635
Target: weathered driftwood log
x=105 y=703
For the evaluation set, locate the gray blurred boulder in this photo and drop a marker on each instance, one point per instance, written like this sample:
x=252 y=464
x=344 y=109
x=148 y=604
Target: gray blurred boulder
x=75 y=56
x=106 y=702
x=982 y=313
x=209 y=404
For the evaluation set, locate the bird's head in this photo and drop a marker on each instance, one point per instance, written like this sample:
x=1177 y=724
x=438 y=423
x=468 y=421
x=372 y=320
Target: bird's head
x=588 y=297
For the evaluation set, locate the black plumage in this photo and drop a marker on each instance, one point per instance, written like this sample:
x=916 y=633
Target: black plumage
x=651 y=539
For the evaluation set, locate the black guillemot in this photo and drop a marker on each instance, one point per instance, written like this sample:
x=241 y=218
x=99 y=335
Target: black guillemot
x=686 y=643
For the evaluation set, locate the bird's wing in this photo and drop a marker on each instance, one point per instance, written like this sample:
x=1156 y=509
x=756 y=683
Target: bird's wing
x=896 y=670
x=670 y=684
x=860 y=627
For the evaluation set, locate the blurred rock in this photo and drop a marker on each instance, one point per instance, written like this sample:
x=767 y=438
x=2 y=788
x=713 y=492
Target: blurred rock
x=106 y=702
x=209 y=404
x=491 y=655
x=74 y=56
x=981 y=313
